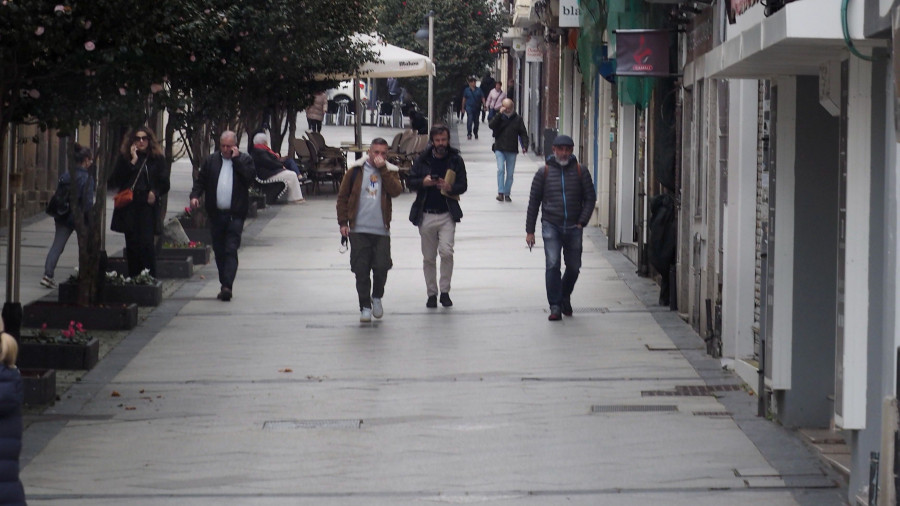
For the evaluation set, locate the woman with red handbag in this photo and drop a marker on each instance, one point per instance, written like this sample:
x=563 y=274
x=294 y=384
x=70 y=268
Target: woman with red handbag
x=141 y=168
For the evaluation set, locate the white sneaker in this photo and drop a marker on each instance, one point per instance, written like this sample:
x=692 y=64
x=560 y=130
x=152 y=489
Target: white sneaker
x=48 y=282
x=365 y=315
x=377 y=308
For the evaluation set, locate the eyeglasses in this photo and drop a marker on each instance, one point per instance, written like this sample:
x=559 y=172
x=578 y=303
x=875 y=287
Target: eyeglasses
x=140 y=138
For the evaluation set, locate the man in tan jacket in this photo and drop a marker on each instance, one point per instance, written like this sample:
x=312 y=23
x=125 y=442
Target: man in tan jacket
x=364 y=215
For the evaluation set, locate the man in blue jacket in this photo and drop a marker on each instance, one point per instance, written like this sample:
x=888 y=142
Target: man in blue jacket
x=472 y=103
x=225 y=178
x=564 y=192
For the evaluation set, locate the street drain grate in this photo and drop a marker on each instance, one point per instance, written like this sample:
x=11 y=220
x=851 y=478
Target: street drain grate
x=311 y=424
x=691 y=391
x=714 y=414
x=622 y=408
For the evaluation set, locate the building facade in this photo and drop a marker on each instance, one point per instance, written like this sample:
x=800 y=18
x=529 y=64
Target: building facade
x=777 y=136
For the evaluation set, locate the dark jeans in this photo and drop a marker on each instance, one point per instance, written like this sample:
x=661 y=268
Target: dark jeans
x=370 y=252
x=568 y=241
x=291 y=165
x=140 y=245
x=226 y=233
x=315 y=125
x=472 y=121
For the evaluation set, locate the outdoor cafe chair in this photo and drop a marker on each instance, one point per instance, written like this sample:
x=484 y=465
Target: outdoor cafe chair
x=326 y=168
x=385 y=113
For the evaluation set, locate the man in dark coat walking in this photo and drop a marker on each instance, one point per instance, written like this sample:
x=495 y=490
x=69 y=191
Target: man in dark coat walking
x=225 y=178
x=565 y=194
x=438 y=177
x=509 y=133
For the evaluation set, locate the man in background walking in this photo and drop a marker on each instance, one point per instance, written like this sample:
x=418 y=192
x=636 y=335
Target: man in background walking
x=472 y=103
x=509 y=133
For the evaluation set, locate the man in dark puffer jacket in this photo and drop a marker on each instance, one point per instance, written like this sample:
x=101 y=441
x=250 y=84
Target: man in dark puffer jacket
x=564 y=192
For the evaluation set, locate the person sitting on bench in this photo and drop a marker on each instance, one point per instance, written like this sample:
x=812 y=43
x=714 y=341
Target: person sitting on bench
x=271 y=167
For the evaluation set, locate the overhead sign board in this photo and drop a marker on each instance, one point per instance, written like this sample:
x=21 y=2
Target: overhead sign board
x=569 y=14
x=643 y=53
x=533 y=51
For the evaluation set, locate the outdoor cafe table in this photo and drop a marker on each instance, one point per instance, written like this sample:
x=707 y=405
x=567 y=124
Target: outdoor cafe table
x=353 y=148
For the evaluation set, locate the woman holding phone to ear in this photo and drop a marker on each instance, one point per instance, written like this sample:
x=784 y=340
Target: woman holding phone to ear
x=142 y=167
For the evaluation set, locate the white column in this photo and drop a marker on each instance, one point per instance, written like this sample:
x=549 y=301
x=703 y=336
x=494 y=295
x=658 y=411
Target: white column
x=625 y=175
x=739 y=230
x=783 y=292
x=852 y=365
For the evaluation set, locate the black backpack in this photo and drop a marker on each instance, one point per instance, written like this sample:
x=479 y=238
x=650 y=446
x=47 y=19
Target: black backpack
x=59 y=206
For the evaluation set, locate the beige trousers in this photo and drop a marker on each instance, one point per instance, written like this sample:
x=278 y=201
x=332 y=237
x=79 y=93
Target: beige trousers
x=437 y=232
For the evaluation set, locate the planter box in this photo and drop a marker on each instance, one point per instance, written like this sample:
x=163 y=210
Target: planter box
x=40 y=386
x=101 y=317
x=142 y=295
x=199 y=235
x=200 y=256
x=194 y=232
x=166 y=268
x=59 y=356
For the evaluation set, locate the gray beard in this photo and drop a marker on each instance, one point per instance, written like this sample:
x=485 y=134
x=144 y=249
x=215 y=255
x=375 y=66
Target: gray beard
x=563 y=163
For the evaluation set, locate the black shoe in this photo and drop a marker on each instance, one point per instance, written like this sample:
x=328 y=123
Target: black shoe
x=225 y=294
x=432 y=301
x=555 y=315
x=567 y=307
x=499 y=197
x=507 y=198
x=476 y=136
x=469 y=137
x=445 y=300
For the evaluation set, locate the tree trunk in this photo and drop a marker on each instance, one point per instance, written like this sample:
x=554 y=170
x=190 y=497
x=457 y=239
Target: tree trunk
x=276 y=129
x=91 y=257
x=292 y=131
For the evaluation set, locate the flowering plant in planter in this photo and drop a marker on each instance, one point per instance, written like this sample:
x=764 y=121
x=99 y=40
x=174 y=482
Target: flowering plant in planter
x=75 y=334
x=144 y=278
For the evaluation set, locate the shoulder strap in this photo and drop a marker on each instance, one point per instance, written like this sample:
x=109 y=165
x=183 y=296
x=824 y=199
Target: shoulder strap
x=139 y=174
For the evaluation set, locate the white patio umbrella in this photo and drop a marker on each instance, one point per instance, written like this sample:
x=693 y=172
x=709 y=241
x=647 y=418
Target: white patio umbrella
x=391 y=61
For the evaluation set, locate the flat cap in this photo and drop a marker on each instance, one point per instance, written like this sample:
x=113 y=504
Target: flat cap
x=563 y=140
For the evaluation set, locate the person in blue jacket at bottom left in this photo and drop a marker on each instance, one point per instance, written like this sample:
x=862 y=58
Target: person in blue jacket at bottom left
x=12 y=394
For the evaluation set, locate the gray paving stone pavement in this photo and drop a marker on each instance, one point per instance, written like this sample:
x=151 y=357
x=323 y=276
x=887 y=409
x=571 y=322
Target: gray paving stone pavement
x=282 y=397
